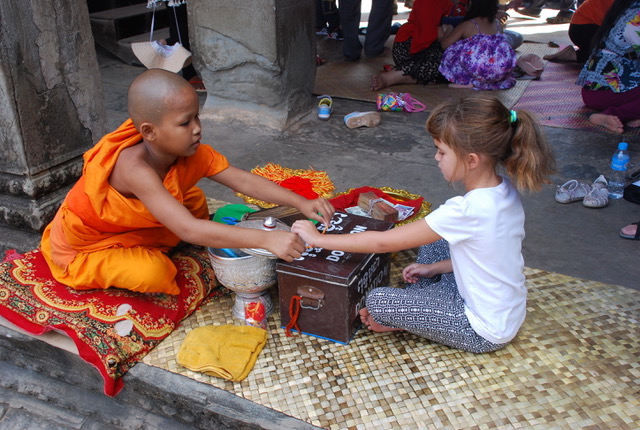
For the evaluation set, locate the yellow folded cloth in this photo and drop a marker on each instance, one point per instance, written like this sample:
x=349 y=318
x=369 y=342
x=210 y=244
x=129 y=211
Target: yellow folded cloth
x=226 y=351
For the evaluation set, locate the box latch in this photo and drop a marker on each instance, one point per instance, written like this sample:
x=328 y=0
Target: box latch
x=310 y=297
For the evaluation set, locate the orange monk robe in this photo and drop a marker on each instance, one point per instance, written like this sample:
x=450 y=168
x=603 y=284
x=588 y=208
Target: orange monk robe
x=99 y=238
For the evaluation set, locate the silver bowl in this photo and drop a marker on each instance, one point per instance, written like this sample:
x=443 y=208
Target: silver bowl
x=249 y=276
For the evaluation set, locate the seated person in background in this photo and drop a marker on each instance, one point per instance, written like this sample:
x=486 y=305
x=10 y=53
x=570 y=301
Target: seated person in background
x=477 y=54
x=583 y=27
x=137 y=199
x=416 y=49
x=610 y=78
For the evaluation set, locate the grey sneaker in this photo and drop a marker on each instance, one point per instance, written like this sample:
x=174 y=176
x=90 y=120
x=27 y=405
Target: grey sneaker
x=598 y=196
x=572 y=191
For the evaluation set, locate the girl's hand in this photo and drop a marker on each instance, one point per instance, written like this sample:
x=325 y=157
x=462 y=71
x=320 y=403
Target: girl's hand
x=413 y=272
x=306 y=230
x=318 y=209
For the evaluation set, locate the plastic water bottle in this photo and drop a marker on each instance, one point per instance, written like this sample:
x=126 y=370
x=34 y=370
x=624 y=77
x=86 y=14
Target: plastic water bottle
x=619 y=164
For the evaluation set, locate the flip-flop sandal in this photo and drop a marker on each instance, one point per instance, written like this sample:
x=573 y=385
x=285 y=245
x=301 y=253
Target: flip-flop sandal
x=632 y=236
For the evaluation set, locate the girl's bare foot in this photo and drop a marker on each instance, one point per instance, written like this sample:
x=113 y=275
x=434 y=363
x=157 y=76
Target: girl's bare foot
x=460 y=85
x=634 y=123
x=368 y=321
x=567 y=54
x=610 y=122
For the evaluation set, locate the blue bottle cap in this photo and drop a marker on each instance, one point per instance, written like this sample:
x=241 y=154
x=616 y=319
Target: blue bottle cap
x=622 y=146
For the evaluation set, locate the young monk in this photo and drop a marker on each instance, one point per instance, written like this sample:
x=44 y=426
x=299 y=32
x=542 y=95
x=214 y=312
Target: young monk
x=137 y=199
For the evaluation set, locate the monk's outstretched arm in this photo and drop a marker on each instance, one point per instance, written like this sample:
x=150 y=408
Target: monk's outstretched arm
x=144 y=183
x=265 y=190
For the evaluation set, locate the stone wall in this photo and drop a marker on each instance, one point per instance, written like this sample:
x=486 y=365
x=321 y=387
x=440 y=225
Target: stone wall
x=256 y=58
x=51 y=106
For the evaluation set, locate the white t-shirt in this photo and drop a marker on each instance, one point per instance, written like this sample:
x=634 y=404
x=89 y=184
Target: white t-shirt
x=485 y=228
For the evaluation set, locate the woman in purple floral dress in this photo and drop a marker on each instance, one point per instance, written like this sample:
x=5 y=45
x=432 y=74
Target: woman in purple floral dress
x=477 y=54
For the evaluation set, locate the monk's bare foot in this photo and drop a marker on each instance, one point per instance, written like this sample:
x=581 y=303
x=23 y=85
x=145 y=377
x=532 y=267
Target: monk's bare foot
x=634 y=123
x=610 y=122
x=460 y=86
x=368 y=321
x=567 y=54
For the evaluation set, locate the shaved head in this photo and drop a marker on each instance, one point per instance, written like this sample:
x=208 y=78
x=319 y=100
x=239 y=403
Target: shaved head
x=151 y=93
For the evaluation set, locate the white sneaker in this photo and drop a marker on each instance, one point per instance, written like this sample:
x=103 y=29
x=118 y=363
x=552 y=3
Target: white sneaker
x=362 y=119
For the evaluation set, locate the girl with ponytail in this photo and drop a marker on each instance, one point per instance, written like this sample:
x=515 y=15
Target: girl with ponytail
x=467 y=287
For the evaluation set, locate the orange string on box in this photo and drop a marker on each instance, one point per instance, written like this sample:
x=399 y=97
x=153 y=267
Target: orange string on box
x=294 y=312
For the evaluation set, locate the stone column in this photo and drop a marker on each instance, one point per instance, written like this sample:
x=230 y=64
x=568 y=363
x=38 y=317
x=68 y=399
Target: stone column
x=51 y=111
x=256 y=58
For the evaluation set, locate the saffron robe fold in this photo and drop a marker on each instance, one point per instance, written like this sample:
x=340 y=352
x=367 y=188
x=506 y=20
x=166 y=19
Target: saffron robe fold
x=95 y=222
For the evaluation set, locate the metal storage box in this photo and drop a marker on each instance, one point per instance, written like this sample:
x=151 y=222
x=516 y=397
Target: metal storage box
x=332 y=285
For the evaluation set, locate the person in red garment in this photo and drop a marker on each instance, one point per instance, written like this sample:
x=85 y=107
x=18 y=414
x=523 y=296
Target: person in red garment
x=416 y=49
x=137 y=197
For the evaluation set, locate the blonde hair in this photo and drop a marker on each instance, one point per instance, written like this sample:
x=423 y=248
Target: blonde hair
x=483 y=125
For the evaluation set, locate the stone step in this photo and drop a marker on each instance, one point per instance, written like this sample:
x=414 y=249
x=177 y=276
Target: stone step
x=110 y=27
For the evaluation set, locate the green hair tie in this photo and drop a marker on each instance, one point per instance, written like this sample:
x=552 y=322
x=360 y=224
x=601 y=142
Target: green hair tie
x=514 y=116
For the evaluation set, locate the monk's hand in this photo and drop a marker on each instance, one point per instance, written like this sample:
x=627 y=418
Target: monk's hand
x=307 y=231
x=285 y=245
x=319 y=210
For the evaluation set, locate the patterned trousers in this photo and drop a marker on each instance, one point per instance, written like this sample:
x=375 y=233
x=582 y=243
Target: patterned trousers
x=431 y=308
x=422 y=66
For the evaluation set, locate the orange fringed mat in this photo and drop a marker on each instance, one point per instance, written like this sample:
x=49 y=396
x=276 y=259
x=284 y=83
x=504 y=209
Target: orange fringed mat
x=310 y=183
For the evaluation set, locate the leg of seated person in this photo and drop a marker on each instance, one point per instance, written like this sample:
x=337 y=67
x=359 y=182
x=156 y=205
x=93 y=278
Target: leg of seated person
x=616 y=108
x=625 y=106
x=514 y=38
x=582 y=36
x=137 y=269
x=566 y=54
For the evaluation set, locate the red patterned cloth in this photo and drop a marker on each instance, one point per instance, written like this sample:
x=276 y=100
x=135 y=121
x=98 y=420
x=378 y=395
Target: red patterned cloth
x=351 y=199
x=31 y=299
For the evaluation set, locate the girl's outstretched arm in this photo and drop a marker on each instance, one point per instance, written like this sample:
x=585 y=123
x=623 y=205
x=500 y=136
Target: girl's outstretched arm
x=397 y=239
